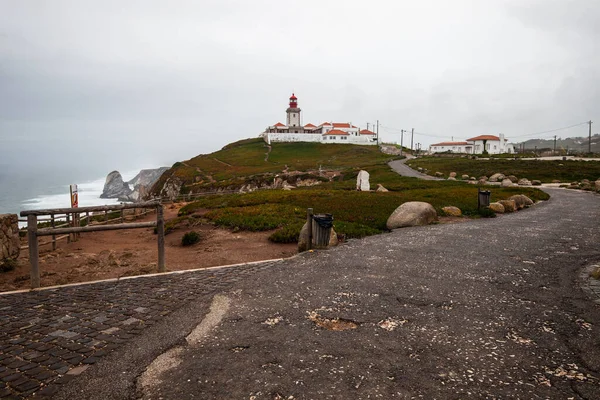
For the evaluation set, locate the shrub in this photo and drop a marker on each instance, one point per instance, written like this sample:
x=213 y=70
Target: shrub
x=287 y=234
x=7 y=265
x=190 y=238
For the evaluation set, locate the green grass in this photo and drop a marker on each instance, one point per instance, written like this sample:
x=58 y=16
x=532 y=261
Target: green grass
x=244 y=162
x=545 y=171
x=356 y=214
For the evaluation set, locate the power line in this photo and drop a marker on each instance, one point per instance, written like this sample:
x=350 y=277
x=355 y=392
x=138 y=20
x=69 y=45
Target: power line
x=552 y=130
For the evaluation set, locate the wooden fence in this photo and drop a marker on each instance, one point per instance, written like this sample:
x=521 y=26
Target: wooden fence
x=73 y=214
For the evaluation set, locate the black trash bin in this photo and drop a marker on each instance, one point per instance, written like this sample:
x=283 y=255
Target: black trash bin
x=483 y=198
x=321 y=229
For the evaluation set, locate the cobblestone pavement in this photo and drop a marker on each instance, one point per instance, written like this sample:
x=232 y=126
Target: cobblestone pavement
x=49 y=337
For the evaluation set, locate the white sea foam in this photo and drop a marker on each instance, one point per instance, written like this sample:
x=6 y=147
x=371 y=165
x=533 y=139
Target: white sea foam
x=89 y=195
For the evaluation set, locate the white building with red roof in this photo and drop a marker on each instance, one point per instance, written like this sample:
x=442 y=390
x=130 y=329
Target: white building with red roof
x=476 y=145
x=326 y=132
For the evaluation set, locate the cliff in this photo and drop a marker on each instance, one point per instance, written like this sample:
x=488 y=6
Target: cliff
x=116 y=188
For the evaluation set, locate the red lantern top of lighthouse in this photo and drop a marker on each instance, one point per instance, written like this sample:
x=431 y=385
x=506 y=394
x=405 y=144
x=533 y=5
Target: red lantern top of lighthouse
x=293 y=101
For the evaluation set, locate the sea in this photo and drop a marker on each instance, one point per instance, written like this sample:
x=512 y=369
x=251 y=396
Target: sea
x=43 y=189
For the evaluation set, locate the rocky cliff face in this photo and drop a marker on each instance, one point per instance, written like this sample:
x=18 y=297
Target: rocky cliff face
x=147 y=177
x=116 y=188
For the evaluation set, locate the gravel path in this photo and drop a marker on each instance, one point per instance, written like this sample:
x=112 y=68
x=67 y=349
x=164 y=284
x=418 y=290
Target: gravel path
x=493 y=308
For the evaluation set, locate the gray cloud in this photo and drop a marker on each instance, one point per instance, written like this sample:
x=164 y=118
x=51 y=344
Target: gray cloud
x=160 y=81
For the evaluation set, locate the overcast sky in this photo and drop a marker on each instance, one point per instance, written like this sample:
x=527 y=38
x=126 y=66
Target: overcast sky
x=154 y=82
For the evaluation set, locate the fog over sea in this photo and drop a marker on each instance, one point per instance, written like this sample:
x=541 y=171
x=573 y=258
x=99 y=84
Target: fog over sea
x=50 y=189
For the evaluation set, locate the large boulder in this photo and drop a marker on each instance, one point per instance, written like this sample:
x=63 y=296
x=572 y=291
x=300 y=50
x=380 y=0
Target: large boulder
x=452 y=211
x=521 y=201
x=535 y=182
x=513 y=178
x=497 y=208
x=362 y=181
x=303 y=239
x=506 y=182
x=439 y=174
x=524 y=182
x=412 y=213
x=465 y=177
x=114 y=187
x=509 y=205
x=597 y=185
x=452 y=175
x=497 y=177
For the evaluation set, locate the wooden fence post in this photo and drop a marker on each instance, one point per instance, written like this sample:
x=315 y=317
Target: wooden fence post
x=160 y=230
x=69 y=224
x=309 y=219
x=33 y=250
x=53 y=236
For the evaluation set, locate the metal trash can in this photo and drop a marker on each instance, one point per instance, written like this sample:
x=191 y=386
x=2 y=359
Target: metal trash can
x=321 y=229
x=483 y=198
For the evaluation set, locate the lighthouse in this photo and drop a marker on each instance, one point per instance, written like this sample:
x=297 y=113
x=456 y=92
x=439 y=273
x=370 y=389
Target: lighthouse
x=293 y=113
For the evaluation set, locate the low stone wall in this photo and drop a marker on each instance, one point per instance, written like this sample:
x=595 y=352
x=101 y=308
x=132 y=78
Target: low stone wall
x=9 y=236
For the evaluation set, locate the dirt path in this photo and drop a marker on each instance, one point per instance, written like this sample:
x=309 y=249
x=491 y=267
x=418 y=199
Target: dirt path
x=113 y=254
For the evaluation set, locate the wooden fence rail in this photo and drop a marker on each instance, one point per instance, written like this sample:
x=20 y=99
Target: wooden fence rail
x=33 y=232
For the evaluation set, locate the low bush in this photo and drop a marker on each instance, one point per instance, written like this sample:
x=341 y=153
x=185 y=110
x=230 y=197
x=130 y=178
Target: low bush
x=190 y=238
x=7 y=265
x=287 y=234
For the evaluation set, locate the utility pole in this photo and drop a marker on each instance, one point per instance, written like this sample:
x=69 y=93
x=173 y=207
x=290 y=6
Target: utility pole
x=412 y=136
x=377 y=132
x=554 y=152
x=590 y=138
x=401 y=140
x=367 y=126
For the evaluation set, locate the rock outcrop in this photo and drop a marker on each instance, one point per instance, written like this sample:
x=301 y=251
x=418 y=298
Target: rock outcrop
x=115 y=188
x=506 y=182
x=134 y=190
x=412 y=213
x=362 y=181
x=9 y=237
x=380 y=188
x=452 y=211
x=497 y=177
x=509 y=205
x=497 y=208
x=521 y=201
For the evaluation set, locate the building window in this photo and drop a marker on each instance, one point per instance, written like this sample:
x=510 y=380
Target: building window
x=488 y=146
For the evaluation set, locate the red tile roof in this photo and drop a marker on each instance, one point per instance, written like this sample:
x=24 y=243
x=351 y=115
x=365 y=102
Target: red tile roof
x=450 y=144
x=336 y=132
x=366 y=132
x=325 y=123
x=484 y=137
x=342 y=125
x=279 y=124
x=309 y=126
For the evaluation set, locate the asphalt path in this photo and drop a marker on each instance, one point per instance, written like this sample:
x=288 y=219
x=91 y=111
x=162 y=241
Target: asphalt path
x=490 y=308
x=401 y=168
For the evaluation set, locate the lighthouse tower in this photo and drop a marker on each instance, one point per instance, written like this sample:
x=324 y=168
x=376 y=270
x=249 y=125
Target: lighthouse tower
x=293 y=113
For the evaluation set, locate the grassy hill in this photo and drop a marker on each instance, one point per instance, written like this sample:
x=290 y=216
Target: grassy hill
x=251 y=161
x=333 y=166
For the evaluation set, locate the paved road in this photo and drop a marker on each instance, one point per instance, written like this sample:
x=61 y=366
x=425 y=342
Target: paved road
x=400 y=167
x=492 y=308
